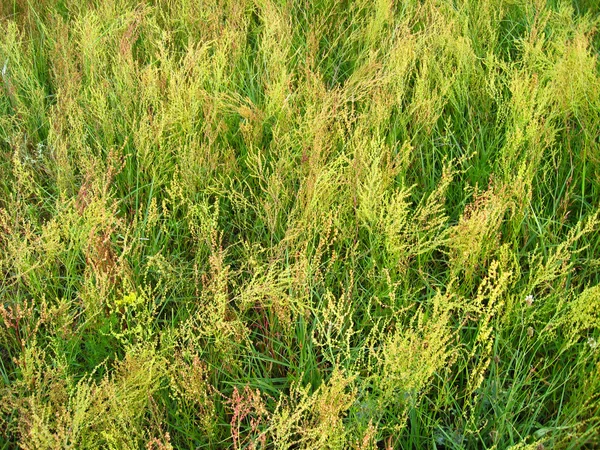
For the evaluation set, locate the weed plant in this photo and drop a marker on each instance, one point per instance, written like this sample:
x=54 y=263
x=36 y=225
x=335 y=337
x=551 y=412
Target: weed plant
x=298 y=224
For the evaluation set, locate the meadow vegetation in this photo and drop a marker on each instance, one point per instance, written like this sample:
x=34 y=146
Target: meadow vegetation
x=302 y=224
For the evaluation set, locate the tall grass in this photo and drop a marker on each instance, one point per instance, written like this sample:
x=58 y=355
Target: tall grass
x=299 y=224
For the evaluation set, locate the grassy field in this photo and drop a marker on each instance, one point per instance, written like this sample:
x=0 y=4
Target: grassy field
x=299 y=224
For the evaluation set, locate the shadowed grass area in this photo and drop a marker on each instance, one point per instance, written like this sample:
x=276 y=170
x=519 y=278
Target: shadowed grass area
x=299 y=224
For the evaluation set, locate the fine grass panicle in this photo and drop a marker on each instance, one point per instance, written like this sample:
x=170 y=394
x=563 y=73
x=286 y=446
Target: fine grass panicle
x=294 y=224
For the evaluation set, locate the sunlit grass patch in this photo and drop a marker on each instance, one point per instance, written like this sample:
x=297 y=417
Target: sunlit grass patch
x=299 y=224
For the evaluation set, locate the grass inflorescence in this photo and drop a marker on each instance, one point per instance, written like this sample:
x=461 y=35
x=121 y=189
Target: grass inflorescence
x=299 y=224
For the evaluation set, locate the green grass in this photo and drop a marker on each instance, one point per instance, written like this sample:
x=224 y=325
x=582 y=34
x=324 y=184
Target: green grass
x=299 y=224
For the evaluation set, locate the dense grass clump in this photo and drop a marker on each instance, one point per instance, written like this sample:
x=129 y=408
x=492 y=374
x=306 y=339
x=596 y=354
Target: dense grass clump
x=299 y=224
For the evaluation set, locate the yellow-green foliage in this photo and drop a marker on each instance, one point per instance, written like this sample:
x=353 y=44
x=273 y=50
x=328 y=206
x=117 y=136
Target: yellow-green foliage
x=306 y=420
x=299 y=224
x=58 y=413
x=411 y=356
